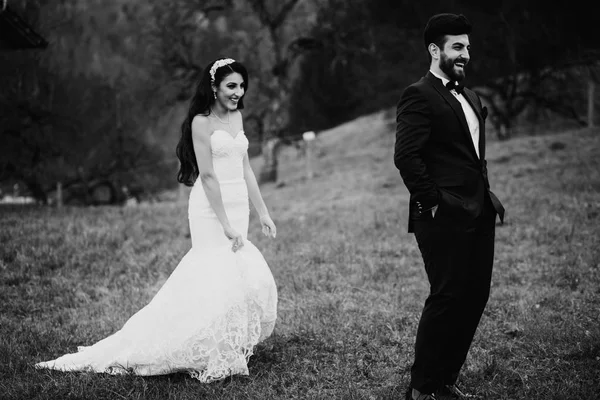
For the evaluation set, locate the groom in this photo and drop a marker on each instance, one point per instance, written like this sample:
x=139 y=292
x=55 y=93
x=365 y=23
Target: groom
x=440 y=153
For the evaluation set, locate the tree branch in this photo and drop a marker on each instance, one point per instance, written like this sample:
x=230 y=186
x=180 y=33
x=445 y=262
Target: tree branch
x=273 y=22
x=285 y=10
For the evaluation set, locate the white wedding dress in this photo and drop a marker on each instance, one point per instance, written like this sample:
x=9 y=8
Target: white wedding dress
x=214 y=307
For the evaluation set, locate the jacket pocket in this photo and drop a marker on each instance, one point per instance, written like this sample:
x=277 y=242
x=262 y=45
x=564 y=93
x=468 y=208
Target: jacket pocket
x=450 y=180
x=450 y=201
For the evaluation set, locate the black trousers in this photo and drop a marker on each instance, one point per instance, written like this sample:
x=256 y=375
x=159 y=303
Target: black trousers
x=458 y=260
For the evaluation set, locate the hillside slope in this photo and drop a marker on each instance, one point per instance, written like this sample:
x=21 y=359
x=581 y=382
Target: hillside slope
x=354 y=165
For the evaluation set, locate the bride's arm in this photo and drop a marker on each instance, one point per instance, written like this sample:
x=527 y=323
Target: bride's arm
x=202 y=148
x=257 y=200
x=253 y=189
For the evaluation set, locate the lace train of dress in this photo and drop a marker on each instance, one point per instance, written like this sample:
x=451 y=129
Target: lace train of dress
x=214 y=307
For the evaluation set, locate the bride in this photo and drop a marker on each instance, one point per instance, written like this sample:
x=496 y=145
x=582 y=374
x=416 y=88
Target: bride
x=221 y=300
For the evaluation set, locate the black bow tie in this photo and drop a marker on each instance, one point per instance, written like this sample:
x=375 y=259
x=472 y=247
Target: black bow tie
x=452 y=85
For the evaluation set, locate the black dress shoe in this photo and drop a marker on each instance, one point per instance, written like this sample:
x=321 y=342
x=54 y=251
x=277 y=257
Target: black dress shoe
x=452 y=392
x=420 y=396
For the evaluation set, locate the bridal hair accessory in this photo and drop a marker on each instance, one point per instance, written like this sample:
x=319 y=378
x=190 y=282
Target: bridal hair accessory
x=218 y=64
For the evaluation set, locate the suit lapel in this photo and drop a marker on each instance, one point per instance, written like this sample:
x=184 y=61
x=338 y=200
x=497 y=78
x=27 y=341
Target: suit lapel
x=457 y=108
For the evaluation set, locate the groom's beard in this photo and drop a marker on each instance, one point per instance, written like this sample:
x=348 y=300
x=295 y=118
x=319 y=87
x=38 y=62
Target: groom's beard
x=447 y=65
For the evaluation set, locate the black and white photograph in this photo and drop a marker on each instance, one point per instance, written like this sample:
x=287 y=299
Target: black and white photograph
x=299 y=199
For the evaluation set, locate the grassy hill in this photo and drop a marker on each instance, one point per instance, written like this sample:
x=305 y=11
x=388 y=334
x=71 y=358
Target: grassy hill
x=350 y=279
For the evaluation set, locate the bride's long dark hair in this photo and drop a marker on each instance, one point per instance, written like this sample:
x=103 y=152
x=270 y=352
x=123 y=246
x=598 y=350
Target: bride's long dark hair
x=201 y=103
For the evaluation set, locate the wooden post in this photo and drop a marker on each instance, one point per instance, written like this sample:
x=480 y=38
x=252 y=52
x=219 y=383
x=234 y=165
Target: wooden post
x=309 y=138
x=182 y=198
x=270 y=152
x=59 y=195
x=591 y=93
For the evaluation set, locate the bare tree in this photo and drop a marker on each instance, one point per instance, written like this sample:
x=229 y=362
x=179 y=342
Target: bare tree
x=272 y=15
x=532 y=62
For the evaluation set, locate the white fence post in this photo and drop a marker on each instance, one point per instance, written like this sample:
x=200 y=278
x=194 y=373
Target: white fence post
x=309 y=139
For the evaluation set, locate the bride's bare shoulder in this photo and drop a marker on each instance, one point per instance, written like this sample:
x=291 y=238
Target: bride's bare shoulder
x=200 y=118
x=201 y=125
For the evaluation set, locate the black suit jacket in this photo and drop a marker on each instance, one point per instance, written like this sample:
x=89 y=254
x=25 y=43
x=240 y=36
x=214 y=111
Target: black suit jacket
x=435 y=154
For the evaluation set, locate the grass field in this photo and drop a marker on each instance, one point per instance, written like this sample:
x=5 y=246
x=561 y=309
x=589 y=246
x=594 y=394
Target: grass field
x=350 y=280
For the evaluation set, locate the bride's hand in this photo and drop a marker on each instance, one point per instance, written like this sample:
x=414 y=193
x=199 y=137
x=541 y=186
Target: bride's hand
x=237 y=242
x=268 y=226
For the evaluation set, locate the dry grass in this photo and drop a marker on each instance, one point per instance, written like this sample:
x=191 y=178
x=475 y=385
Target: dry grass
x=350 y=280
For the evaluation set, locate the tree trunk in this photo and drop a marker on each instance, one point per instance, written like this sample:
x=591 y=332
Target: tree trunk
x=270 y=152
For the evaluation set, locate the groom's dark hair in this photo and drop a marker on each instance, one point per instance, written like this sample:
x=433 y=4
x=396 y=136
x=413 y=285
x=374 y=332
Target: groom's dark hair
x=444 y=24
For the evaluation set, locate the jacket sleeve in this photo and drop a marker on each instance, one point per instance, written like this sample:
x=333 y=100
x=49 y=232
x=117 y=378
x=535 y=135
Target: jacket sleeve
x=413 y=128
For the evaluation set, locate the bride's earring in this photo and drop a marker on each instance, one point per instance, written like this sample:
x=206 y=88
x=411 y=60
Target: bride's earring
x=215 y=94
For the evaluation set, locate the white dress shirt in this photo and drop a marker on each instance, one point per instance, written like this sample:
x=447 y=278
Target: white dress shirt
x=470 y=116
